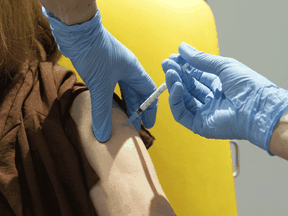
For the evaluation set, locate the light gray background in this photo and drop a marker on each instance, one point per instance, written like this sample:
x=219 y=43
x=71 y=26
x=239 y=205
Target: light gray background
x=255 y=33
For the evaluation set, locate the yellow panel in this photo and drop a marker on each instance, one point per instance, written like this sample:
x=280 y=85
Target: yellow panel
x=195 y=172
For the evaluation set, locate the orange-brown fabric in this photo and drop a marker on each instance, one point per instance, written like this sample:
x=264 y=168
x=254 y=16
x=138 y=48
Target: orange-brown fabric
x=43 y=170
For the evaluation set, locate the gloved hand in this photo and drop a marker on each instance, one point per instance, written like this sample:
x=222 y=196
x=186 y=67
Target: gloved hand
x=102 y=61
x=219 y=97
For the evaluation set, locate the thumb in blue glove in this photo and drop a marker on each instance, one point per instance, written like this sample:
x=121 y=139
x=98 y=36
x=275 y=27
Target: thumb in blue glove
x=245 y=106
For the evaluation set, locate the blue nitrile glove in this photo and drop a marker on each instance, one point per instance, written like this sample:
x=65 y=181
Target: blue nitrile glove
x=102 y=61
x=245 y=106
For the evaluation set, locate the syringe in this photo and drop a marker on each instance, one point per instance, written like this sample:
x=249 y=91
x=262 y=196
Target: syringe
x=147 y=103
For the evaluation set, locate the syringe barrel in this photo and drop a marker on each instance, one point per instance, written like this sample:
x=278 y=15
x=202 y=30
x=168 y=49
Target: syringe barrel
x=153 y=97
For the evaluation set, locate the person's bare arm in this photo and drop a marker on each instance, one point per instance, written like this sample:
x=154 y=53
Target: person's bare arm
x=71 y=11
x=128 y=181
x=279 y=139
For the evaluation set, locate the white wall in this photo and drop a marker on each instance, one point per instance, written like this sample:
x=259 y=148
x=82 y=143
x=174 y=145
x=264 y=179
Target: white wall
x=255 y=33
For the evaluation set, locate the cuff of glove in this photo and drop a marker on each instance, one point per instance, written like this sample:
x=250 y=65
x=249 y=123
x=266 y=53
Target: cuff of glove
x=72 y=38
x=273 y=105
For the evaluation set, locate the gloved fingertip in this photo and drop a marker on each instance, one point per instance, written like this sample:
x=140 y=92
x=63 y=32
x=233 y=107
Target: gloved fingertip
x=171 y=77
x=178 y=59
x=183 y=43
x=164 y=65
x=187 y=46
x=176 y=94
x=170 y=64
x=149 y=124
x=102 y=135
x=177 y=89
x=149 y=117
x=186 y=51
x=174 y=57
x=167 y=64
x=102 y=130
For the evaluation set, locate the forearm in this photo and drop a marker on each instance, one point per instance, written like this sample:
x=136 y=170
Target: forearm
x=279 y=139
x=71 y=11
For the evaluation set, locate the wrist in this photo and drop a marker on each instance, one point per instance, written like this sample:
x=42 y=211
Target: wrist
x=78 y=17
x=279 y=139
x=278 y=114
x=73 y=14
x=270 y=106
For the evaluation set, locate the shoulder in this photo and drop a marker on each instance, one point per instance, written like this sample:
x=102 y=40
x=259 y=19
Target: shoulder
x=123 y=161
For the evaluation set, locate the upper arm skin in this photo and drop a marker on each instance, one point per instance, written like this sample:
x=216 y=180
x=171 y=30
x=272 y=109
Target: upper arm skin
x=128 y=181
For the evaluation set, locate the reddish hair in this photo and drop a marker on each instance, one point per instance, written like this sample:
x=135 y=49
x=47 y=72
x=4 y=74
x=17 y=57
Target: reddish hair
x=24 y=34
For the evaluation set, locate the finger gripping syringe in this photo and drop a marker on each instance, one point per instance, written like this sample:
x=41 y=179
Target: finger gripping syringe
x=147 y=103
